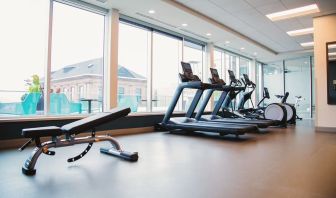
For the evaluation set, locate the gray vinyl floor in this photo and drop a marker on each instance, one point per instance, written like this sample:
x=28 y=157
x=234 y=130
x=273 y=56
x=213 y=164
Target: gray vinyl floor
x=293 y=162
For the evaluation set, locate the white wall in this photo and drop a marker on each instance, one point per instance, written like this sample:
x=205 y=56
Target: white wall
x=324 y=31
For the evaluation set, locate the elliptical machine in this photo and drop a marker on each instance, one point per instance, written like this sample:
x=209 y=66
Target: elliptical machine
x=291 y=111
x=274 y=111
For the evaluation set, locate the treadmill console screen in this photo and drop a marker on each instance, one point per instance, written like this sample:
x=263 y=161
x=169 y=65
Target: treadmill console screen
x=187 y=71
x=214 y=74
x=246 y=78
x=215 y=77
x=232 y=76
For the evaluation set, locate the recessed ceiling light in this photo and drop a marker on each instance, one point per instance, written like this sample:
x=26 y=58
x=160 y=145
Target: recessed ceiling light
x=184 y=24
x=255 y=53
x=300 y=11
x=301 y=32
x=307 y=44
x=227 y=42
x=242 y=48
x=208 y=34
x=151 y=11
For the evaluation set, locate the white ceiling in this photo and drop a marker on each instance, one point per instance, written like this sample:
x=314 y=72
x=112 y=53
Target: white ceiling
x=244 y=16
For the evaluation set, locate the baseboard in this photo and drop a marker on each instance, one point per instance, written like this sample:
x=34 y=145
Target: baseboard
x=17 y=143
x=325 y=129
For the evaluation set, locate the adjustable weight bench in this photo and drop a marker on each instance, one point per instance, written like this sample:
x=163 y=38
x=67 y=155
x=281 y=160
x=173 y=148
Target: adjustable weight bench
x=70 y=131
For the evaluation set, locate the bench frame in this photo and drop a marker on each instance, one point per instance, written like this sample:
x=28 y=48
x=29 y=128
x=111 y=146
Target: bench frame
x=70 y=140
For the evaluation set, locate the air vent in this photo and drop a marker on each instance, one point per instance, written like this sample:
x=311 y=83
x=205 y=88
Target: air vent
x=102 y=1
x=200 y=36
x=157 y=20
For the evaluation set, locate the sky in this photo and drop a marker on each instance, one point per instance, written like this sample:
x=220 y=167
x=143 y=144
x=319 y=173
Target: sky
x=77 y=36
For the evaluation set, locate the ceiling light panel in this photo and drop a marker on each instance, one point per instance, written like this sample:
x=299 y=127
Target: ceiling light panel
x=300 y=11
x=301 y=32
x=307 y=44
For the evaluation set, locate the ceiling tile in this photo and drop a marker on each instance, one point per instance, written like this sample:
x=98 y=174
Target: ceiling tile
x=290 y=4
x=270 y=8
x=231 y=6
x=258 y=3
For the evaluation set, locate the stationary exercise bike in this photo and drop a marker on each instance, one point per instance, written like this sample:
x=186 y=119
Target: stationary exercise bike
x=297 y=101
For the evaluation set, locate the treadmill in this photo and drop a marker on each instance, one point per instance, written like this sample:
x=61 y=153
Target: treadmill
x=187 y=123
x=214 y=117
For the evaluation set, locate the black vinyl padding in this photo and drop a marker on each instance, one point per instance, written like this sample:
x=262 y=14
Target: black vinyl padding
x=42 y=132
x=94 y=121
x=78 y=126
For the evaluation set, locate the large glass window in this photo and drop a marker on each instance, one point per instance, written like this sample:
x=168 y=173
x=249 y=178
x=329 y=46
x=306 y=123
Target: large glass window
x=77 y=60
x=244 y=67
x=134 y=59
x=297 y=79
x=24 y=29
x=193 y=54
x=167 y=55
x=218 y=62
x=259 y=82
x=231 y=63
x=274 y=80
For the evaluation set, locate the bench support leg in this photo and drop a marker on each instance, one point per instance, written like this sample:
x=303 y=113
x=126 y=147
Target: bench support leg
x=118 y=152
x=29 y=165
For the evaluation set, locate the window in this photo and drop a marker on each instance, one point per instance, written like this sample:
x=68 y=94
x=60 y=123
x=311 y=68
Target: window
x=231 y=63
x=274 y=80
x=244 y=68
x=134 y=59
x=77 y=57
x=218 y=60
x=167 y=55
x=297 y=81
x=193 y=54
x=138 y=92
x=121 y=91
x=259 y=82
x=81 y=92
x=22 y=73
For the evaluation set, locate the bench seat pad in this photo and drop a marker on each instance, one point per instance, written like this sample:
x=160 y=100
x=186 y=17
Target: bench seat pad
x=42 y=132
x=94 y=121
x=77 y=127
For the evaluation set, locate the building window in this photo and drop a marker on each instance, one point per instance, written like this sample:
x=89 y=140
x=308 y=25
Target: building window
x=22 y=73
x=138 y=92
x=81 y=92
x=77 y=56
x=121 y=91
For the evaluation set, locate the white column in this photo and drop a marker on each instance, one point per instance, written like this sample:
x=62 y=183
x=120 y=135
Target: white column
x=47 y=72
x=111 y=60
